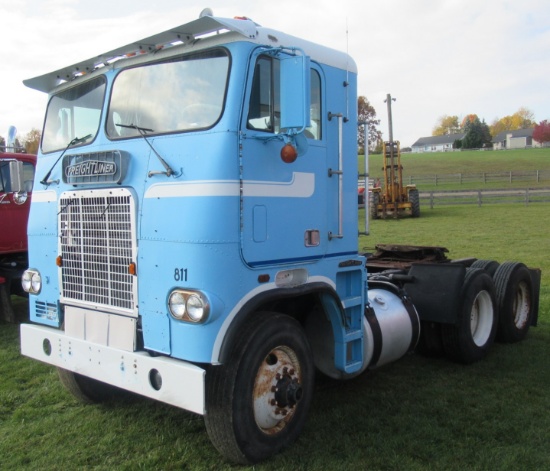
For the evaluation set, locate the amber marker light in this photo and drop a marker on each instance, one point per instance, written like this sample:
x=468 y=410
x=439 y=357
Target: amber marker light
x=132 y=269
x=59 y=261
x=263 y=278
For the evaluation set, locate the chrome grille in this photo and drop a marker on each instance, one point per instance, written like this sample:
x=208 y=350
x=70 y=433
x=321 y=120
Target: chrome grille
x=97 y=238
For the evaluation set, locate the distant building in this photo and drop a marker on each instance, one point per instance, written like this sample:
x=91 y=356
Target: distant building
x=518 y=139
x=437 y=143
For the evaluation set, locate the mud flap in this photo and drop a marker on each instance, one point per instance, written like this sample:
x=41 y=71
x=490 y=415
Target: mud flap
x=435 y=291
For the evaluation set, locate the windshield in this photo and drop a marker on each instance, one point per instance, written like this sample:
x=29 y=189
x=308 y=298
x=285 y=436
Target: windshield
x=73 y=113
x=181 y=95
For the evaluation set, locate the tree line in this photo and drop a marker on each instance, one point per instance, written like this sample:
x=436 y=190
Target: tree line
x=29 y=143
x=479 y=134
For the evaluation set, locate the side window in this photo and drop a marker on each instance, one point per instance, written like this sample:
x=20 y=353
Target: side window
x=265 y=108
x=315 y=131
x=264 y=111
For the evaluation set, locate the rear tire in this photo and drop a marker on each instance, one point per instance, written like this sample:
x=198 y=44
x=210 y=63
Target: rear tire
x=414 y=199
x=469 y=340
x=257 y=401
x=490 y=266
x=514 y=295
x=87 y=390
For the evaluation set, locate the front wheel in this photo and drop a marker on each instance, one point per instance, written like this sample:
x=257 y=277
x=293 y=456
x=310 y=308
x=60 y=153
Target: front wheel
x=87 y=390
x=471 y=337
x=257 y=402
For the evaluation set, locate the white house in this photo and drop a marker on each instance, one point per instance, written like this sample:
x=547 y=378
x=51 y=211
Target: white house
x=518 y=139
x=436 y=143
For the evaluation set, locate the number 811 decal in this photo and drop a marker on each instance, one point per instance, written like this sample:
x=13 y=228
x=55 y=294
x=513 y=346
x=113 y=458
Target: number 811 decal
x=180 y=274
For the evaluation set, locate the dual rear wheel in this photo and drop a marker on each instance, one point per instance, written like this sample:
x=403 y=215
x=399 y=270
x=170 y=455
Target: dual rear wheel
x=497 y=304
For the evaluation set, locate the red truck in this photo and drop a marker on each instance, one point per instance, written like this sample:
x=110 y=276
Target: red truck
x=16 y=180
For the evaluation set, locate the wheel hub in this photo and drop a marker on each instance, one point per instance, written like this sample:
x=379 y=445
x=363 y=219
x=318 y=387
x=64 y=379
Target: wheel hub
x=277 y=390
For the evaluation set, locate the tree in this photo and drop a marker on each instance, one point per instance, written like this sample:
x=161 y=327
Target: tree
x=446 y=125
x=367 y=113
x=32 y=141
x=477 y=133
x=521 y=119
x=468 y=119
x=541 y=133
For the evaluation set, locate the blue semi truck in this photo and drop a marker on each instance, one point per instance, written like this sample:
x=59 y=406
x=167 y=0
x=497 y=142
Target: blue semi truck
x=193 y=237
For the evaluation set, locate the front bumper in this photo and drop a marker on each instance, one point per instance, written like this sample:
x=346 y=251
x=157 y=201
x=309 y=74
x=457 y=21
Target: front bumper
x=183 y=384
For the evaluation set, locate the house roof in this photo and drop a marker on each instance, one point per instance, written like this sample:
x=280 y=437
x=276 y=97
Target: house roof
x=438 y=140
x=501 y=136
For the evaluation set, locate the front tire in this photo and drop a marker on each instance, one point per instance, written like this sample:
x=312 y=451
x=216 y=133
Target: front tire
x=469 y=340
x=257 y=402
x=87 y=390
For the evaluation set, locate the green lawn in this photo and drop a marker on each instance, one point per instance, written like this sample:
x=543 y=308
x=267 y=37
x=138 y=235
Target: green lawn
x=466 y=162
x=416 y=414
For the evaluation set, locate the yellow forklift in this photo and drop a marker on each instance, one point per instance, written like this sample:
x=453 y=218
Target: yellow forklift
x=392 y=198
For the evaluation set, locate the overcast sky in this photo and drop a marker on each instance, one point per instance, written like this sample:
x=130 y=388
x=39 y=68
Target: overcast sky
x=436 y=57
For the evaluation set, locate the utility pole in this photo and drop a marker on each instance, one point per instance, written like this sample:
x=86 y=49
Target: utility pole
x=388 y=100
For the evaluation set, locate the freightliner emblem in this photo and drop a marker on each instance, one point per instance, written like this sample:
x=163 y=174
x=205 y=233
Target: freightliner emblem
x=91 y=168
x=95 y=167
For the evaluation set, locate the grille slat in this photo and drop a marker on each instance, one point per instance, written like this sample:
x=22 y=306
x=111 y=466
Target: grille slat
x=97 y=245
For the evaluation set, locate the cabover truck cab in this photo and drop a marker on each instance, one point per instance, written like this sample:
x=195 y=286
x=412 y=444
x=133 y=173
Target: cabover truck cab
x=16 y=180
x=193 y=234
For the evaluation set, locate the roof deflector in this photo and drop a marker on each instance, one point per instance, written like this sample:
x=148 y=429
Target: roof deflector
x=181 y=34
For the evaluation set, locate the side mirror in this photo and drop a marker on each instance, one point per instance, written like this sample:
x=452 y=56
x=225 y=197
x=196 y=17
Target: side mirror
x=295 y=94
x=17 y=181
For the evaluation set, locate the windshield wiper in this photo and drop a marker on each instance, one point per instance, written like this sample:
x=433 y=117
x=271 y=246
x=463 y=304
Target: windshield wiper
x=167 y=169
x=76 y=140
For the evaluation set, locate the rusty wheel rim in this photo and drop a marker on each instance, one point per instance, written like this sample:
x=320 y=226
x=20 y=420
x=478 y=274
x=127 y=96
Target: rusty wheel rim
x=277 y=390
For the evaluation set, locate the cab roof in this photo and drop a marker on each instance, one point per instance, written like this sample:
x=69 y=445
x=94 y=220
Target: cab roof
x=224 y=29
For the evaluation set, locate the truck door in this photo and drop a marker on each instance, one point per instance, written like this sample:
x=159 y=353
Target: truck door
x=283 y=217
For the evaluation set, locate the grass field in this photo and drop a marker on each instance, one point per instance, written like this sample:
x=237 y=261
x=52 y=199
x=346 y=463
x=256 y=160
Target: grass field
x=416 y=414
x=466 y=162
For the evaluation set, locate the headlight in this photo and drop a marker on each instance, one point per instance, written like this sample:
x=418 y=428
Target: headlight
x=190 y=306
x=176 y=304
x=31 y=281
x=195 y=308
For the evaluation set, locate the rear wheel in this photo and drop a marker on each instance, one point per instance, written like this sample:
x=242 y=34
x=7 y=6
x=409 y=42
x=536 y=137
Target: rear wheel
x=470 y=339
x=514 y=294
x=490 y=266
x=87 y=390
x=414 y=199
x=257 y=402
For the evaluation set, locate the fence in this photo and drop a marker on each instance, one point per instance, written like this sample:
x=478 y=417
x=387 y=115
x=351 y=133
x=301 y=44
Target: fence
x=536 y=176
x=482 y=197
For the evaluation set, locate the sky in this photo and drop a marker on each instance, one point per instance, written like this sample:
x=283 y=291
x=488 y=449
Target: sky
x=435 y=57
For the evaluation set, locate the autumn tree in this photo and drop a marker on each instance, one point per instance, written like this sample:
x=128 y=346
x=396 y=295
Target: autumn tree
x=477 y=133
x=32 y=141
x=446 y=125
x=521 y=119
x=541 y=133
x=467 y=120
x=367 y=113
